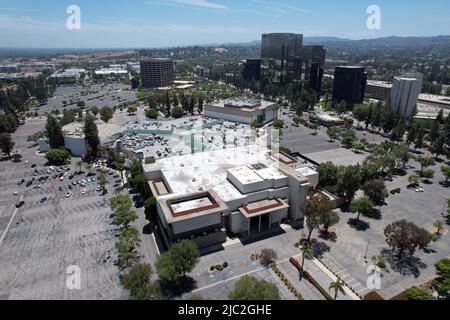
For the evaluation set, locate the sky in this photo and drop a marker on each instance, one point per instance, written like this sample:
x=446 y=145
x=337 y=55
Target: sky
x=167 y=23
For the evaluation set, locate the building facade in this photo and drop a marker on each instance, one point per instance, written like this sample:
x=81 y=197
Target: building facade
x=284 y=59
x=238 y=191
x=157 y=72
x=252 y=69
x=405 y=94
x=242 y=110
x=349 y=84
x=379 y=90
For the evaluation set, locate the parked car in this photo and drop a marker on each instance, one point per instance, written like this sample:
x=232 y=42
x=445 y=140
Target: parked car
x=29 y=183
x=60 y=188
x=43 y=200
x=70 y=187
x=21 y=181
x=69 y=194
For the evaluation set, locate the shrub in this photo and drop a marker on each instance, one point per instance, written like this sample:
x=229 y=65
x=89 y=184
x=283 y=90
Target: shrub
x=219 y=267
x=225 y=264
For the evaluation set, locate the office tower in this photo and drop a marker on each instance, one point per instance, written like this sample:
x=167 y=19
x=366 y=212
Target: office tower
x=252 y=69
x=405 y=94
x=349 y=84
x=284 y=59
x=157 y=72
x=313 y=61
x=280 y=61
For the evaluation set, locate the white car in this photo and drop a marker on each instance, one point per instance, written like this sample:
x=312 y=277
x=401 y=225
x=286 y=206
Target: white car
x=420 y=190
x=83 y=191
x=16 y=193
x=69 y=194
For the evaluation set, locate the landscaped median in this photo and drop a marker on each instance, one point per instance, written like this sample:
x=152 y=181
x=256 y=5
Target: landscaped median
x=287 y=283
x=325 y=281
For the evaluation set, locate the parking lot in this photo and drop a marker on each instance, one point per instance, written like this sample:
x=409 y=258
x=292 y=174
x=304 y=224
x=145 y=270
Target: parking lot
x=346 y=253
x=42 y=239
x=99 y=95
x=305 y=140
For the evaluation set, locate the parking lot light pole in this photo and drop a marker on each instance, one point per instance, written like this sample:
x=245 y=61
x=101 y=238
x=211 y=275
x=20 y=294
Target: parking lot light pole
x=367 y=250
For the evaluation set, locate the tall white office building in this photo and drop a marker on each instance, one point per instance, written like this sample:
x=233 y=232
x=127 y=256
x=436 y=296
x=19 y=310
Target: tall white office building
x=405 y=93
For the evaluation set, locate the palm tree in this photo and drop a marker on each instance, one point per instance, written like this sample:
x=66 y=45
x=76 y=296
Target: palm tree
x=338 y=286
x=307 y=252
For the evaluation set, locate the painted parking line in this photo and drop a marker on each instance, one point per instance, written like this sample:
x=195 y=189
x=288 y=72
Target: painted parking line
x=9 y=223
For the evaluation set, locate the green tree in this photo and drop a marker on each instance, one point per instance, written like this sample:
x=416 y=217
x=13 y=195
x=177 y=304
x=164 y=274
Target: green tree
x=349 y=138
x=418 y=294
x=177 y=112
x=428 y=174
x=278 y=124
x=328 y=174
x=152 y=114
x=338 y=287
x=446 y=172
x=333 y=133
x=314 y=209
x=376 y=191
x=405 y=237
x=57 y=156
x=94 y=110
x=250 y=288
x=137 y=282
x=180 y=259
x=106 y=114
x=54 y=132
x=102 y=179
x=349 y=181
x=141 y=185
x=442 y=283
x=91 y=134
x=124 y=215
x=425 y=163
x=414 y=180
x=150 y=209
x=6 y=143
x=362 y=206
x=329 y=219
x=132 y=110
x=361 y=112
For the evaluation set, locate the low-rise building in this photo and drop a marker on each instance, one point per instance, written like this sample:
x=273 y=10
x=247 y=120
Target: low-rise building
x=241 y=190
x=242 y=110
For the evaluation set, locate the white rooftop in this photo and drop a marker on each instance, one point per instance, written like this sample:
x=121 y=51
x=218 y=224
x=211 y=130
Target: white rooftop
x=208 y=170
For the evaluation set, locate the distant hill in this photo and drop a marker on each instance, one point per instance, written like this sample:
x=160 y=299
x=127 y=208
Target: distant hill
x=376 y=42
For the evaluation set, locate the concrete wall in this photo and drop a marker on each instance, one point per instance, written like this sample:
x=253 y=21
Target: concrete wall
x=195 y=223
x=238 y=223
x=228 y=117
x=43 y=145
x=211 y=239
x=76 y=145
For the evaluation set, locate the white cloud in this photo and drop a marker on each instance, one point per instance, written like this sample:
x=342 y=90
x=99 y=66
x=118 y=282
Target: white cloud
x=190 y=3
x=280 y=7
